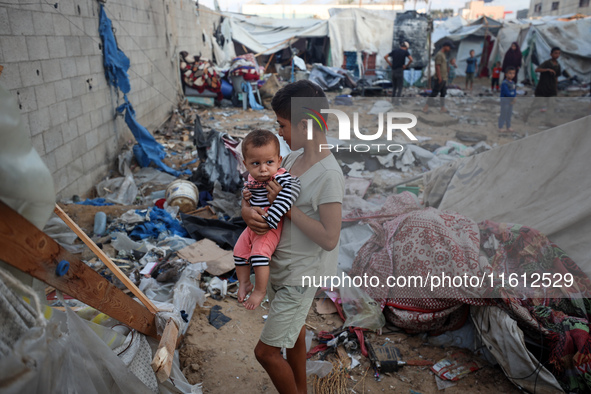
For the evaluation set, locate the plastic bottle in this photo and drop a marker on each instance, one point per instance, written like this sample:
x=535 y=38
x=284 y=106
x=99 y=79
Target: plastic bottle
x=100 y=223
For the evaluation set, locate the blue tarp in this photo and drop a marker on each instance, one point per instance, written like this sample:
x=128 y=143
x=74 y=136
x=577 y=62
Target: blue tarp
x=160 y=221
x=97 y=202
x=116 y=65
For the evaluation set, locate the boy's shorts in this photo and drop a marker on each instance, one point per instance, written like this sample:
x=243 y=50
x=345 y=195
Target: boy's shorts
x=469 y=77
x=289 y=307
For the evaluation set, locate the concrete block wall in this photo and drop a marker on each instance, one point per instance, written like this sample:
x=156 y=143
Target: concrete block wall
x=53 y=65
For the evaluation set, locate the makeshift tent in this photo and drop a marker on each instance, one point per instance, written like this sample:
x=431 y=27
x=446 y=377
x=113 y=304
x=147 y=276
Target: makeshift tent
x=413 y=27
x=477 y=36
x=269 y=35
x=509 y=33
x=572 y=37
x=360 y=30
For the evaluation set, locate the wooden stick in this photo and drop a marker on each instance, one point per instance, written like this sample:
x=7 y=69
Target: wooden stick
x=269 y=62
x=30 y=250
x=105 y=259
x=162 y=362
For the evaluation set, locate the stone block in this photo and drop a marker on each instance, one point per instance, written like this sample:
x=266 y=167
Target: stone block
x=51 y=70
x=69 y=131
x=52 y=139
x=26 y=99
x=68 y=66
x=21 y=22
x=82 y=66
x=61 y=25
x=72 y=46
x=63 y=90
x=45 y=95
x=11 y=77
x=43 y=23
x=14 y=49
x=37 y=47
x=56 y=46
x=58 y=114
x=92 y=139
x=4 y=22
x=63 y=155
x=74 y=108
x=39 y=121
x=83 y=123
x=79 y=86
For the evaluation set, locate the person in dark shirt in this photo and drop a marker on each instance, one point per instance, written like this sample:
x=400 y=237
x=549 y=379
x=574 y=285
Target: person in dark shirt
x=471 y=64
x=398 y=65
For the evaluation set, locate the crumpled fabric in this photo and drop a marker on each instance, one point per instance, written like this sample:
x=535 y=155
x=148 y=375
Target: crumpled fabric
x=97 y=202
x=223 y=233
x=160 y=221
x=116 y=63
x=246 y=87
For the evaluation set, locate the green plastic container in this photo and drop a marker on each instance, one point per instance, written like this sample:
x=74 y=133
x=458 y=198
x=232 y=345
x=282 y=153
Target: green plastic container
x=412 y=189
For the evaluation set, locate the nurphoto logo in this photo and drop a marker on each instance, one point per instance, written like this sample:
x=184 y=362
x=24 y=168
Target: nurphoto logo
x=345 y=129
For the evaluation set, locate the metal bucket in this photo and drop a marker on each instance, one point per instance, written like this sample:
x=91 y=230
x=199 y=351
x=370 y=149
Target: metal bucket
x=182 y=194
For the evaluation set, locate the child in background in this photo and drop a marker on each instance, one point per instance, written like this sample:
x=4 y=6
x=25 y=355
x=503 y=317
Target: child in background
x=471 y=64
x=496 y=74
x=508 y=94
x=260 y=150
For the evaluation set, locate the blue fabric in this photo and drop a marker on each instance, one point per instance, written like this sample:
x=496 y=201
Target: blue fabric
x=204 y=197
x=471 y=64
x=508 y=89
x=253 y=103
x=148 y=149
x=115 y=62
x=97 y=202
x=160 y=221
x=189 y=163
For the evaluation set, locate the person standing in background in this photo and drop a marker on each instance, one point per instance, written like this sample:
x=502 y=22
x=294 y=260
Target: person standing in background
x=398 y=65
x=513 y=59
x=471 y=64
x=496 y=75
x=439 y=81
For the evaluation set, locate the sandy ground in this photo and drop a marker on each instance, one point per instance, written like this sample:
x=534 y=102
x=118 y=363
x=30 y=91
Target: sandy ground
x=223 y=359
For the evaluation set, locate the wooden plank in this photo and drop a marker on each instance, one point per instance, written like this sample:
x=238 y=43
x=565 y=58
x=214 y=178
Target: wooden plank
x=106 y=259
x=162 y=362
x=27 y=248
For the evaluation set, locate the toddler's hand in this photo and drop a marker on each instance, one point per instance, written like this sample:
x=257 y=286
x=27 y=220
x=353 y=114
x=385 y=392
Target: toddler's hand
x=246 y=194
x=273 y=187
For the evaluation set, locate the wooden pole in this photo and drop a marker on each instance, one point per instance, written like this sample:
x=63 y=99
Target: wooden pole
x=105 y=259
x=30 y=250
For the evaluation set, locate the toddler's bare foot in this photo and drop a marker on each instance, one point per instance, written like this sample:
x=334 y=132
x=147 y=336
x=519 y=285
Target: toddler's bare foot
x=254 y=300
x=243 y=291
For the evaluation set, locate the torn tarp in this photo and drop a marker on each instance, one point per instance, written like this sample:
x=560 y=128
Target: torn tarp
x=148 y=150
x=160 y=221
x=224 y=233
x=326 y=77
x=115 y=62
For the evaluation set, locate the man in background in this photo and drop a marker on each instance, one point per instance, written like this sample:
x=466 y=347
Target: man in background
x=398 y=65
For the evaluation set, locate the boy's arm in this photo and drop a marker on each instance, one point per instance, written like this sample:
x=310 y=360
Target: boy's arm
x=284 y=200
x=504 y=90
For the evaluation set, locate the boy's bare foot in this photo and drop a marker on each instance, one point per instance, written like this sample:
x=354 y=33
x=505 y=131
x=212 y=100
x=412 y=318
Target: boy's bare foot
x=254 y=300
x=243 y=291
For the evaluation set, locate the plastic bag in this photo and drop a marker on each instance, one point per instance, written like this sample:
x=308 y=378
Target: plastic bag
x=59 y=231
x=360 y=309
x=317 y=367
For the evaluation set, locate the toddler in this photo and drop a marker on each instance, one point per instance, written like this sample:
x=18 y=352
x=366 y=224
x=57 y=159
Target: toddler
x=260 y=150
x=496 y=74
x=508 y=93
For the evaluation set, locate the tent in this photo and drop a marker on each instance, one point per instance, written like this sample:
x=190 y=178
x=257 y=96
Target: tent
x=476 y=36
x=571 y=36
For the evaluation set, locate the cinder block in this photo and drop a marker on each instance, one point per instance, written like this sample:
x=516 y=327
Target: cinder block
x=51 y=70
x=68 y=66
x=37 y=142
x=79 y=86
x=69 y=131
x=63 y=90
x=88 y=46
x=37 y=46
x=58 y=114
x=88 y=104
x=83 y=123
x=92 y=140
x=96 y=118
x=79 y=148
x=56 y=46
x=4 y=22
x=52 y=139
x=43 y=23
x=14 y=48
x=49 y=160
x=68 y=8
x=63 y=155
x=108 y=115
x=39 y=121
x=60 y=179
x=91 y=27
x=72 y=46
x=74 y=108
x=26 y=99
x=96 y=65
x=61 y=25
x=82 y=65
x=21 y=22
x=45 y=95
x=75 y=170
x=11 y=78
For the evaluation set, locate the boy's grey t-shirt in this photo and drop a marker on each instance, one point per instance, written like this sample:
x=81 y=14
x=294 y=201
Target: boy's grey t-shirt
x=297 y=255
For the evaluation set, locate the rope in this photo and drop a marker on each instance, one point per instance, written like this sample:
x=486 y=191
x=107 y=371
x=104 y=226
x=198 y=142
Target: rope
x=9 y=279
